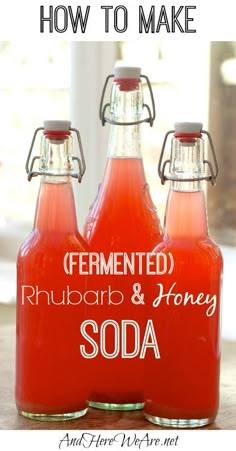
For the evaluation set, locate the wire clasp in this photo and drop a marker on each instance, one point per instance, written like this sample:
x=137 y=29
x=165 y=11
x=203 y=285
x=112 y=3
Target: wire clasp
x=102 y=109
x=212 y=168
x=30 y=163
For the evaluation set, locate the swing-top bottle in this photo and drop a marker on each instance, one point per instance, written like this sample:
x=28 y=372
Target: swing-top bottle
x=182 y=387
x=50 y=375
x=121 y=220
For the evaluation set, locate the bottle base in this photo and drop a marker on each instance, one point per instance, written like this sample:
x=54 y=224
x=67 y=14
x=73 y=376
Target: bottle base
x=112 y=406
x=180 y=422
x=54 y=416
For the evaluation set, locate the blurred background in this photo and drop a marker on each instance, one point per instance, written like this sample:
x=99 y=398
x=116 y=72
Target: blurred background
x=64 y=80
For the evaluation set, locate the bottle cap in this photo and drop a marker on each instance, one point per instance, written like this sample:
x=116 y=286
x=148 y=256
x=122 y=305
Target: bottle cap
x=57 y=125
x=122 y=71
x=188 y=127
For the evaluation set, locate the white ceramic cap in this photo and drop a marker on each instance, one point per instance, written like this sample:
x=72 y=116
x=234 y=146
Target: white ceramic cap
x=57 y=125
x=188 y=127
x=124 y=71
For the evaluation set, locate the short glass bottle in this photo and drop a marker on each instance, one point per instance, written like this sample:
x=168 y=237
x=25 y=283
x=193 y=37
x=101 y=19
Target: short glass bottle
x=182 y=387
x=50 y=373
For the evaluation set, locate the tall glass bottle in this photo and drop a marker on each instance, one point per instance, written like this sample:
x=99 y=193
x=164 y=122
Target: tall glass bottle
x=182 y=388
x=50 y=378
x=121 y=221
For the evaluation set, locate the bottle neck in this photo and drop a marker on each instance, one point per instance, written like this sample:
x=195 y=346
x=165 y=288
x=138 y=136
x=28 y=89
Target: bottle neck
x=126 y=107
x=186 y=216
x=55 y=210
x=124 y=142
x=56 y=155
x=187 y=162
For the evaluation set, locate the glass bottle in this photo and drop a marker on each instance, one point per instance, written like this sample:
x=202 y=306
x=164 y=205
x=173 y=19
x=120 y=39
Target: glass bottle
x=182 y=388
x=122 y=220
x=50 y=378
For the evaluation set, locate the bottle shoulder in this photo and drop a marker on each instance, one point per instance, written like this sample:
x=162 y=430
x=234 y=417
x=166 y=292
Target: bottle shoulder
x=123 y=209
x=191 y=251
x=38 y=241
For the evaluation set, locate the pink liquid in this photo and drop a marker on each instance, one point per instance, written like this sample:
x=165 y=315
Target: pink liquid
x=186 y=215
x=122 y=219
x=50 y=373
